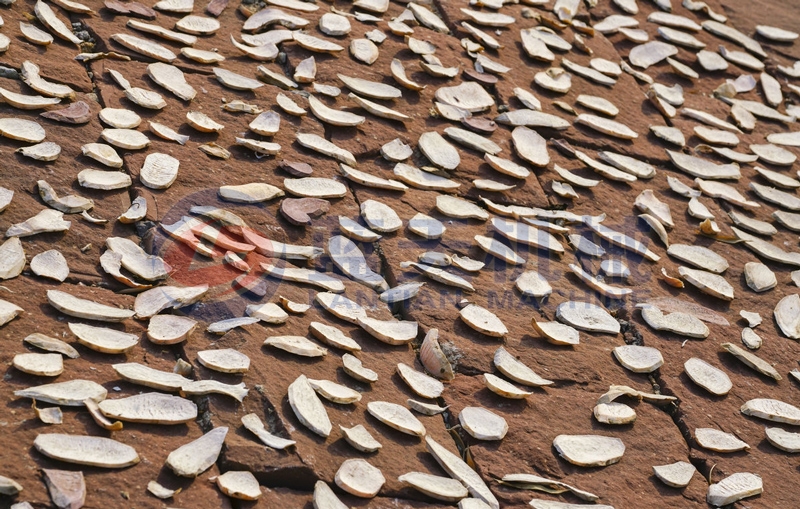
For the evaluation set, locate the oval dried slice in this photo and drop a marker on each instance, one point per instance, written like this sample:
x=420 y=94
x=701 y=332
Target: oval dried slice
x=589 y=450
x=203 y=122
x=225 y=360
x=70 y=393
x=83 y=308
x=86 y=450
x=588 y=317
x=772 y=410
x=159 y=171
x=194 y=458
x=502 y=388
x=483 y=320
x=171 y=78
x=149 y=377
x=40 y=364
x=420 y=383
x=308 y=408
x=145 y=47
x=120 y=118
x=440 y=488
x=49 y=344
x=125 y=138
x=197 y=25
x=392 y=332
x=734 y=487
x=239 y=484
x=352 y=366
x=334 y=392
x=716 y=440
x=297 y=345
x=150 y=408
x=397 y=417
x=557 y=333
x=639 y=359
x=103 y=339
x=516 y=370
x=483 y=424
x=783 y=440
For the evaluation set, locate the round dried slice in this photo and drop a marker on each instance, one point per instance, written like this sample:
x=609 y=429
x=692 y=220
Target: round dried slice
x=120 y=118
x=783 y=440
x=639 y=359
x=440 y=488
x=352 y=366
x=557 y=333
x=516 y=369
x=482 y=424
x=614 y=413
x=676 y=474
x=170 y=329
x=587 y=317
x=315 y=187
x=125 y=138
x=297 y=345
x=203 y=122
x=359 y=478
x=50 y=264
x=239 y=484
x=41 y=364
x=397 y=417
x=426 y=226
x=772 y=410
x=502 y=388
x=102 y=339
x=716 y=440
x=589 y=450
x=420 y=383
x=334 y=392
x=159 y=171
x=224 y=360
x=150 y=408
x=86 y=450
